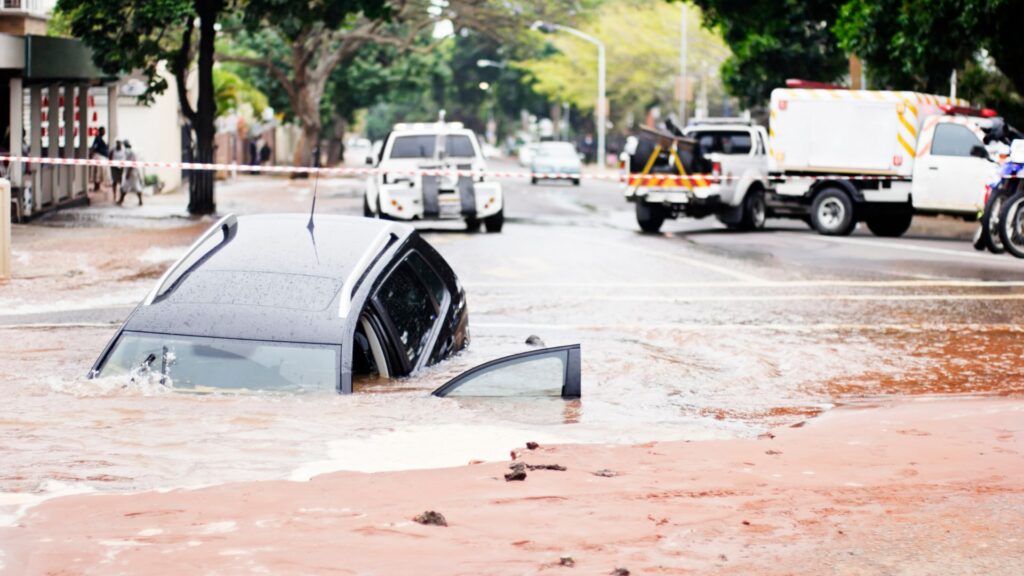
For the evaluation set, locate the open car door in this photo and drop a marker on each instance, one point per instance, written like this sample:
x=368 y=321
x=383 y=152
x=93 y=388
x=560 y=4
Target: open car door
x=550 y=372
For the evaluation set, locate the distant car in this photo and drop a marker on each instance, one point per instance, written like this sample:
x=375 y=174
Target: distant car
x=526 y=152
x=405 y=189
x=556 y=158
x=265 y=303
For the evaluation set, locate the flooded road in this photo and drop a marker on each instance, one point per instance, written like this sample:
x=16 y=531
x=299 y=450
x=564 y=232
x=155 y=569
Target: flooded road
x=692 y=334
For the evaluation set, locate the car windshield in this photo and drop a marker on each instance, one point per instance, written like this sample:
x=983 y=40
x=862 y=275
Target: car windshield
x=197 y=363
x=557 y=150
x=425 y=146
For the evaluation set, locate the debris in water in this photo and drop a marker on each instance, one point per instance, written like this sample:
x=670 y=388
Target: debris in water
x=620 y=572
x=513 y=454
x=555 y=467
x=566 y=561
x=534 y=340
x=431 y=518
x=532 y=445
x=605 y=473
x=772 y=452
x=518 y=472
x=765 y=436
x=798 y=424
x=746 y=522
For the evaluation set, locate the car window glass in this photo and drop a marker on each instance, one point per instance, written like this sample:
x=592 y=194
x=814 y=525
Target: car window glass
x=725 y=142
x=953 y=140
x=459 y=146
x=542 y=375
x=411 y=310
x=192 y=362
x=428 y=276
x=414 y=146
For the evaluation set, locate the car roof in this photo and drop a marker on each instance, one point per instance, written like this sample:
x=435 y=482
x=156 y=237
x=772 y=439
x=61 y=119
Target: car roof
x=269 y=277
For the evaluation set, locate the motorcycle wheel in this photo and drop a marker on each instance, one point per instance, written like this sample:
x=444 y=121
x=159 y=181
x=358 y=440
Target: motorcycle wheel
x=1011 y=224
x=989 y=237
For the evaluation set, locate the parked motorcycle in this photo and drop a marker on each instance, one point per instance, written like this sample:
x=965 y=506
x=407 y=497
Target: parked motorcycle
x=1010 y=220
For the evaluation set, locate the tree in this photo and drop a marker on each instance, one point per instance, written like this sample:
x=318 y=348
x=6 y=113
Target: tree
x=129 y=35
x=773 y=40
x=642 y=52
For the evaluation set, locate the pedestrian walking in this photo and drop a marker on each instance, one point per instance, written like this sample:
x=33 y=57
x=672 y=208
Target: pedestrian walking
x=116 y=172
x=132 y=179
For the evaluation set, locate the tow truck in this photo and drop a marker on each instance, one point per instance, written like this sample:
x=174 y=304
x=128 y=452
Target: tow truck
x=724 y=175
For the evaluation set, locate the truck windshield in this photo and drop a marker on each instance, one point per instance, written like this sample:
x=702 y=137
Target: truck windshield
x=425 y=146
x=196 y=363
x=724 y=142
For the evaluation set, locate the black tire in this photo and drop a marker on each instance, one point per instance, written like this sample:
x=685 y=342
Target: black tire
x=989 y=237
x=832 y=213
x=533 y=180
x=890 y=225
x=1011 y=224
x=495 y=222
x=367 y=211
x=755 y=211
x=575 y=181
x=473 y=225
x=650 y=217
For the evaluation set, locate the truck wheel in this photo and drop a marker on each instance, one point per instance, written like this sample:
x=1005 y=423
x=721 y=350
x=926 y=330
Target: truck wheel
x=890 y=225
x=650 y=217
x=495 y=222
x=832 y=213
x=755 y=211
x=367 y=211
x=473 y=225
x=575 y=181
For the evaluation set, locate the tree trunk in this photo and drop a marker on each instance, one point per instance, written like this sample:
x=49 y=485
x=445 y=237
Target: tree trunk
x=201 y=184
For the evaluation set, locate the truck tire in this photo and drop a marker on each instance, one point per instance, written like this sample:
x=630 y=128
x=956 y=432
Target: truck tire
x=650 y=217
x=495 y=222
x=367 y=211
x=832 y=213
x=473 y=225
x=755 y=211
x=890 y=225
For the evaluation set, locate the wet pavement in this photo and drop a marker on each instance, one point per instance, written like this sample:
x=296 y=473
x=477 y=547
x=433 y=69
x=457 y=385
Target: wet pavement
x=695 y=333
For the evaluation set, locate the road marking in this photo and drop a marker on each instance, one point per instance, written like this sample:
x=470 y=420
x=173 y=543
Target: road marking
x=808 y=297
x=742 y=276
x=762 y=284
x=963 y=254
x=822 y=327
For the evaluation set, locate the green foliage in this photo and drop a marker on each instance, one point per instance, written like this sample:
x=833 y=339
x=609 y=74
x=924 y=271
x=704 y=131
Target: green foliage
x=642 y=53
x=913 y=44
x=294 y=18
x=127 y=35
x=231 y=92
x=773 y=40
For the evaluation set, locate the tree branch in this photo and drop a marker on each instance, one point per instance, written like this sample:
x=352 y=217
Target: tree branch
x=267 y=64
x=181 y=60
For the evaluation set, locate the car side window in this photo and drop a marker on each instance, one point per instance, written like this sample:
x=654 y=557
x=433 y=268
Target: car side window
x=411 y=309
x=429 y=277
x=953 y=140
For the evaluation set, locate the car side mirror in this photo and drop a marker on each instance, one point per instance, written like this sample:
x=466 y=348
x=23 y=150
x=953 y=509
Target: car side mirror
x=979 y=151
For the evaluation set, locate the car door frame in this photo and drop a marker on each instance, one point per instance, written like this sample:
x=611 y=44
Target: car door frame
x=939 y=192
x=571 y=380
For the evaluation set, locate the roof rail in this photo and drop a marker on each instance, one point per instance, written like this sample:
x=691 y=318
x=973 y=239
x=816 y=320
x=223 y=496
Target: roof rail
x=360 y=268
x=225 y=225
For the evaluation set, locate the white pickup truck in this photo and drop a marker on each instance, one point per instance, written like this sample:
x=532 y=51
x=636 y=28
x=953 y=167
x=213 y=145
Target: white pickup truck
x=733 y=190
x=433 y=171
x=841 y=156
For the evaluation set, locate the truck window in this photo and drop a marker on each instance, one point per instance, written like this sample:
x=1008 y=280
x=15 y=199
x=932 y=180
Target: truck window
x=414 y=146
x=953 y=140
x=724 y=142
x=459 y=146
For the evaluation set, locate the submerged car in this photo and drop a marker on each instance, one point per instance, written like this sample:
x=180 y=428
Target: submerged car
x=433 y=172
x=555 y=158
x=286 y=302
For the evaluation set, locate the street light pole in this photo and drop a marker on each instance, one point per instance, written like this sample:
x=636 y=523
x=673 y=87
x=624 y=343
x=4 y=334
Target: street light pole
x=682 y=69
x=601 y=111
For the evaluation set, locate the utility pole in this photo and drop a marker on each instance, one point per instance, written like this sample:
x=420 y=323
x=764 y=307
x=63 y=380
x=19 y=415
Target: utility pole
x=682 y=66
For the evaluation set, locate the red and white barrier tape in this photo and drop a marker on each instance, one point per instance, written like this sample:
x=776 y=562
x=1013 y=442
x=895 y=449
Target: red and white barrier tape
x=616 y=176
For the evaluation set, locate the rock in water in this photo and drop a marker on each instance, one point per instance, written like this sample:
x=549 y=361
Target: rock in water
x=534 y=340
x=431 y=518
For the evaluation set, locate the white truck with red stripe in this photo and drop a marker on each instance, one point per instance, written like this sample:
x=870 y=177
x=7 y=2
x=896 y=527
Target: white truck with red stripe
x=838 y=157
x=730 y=181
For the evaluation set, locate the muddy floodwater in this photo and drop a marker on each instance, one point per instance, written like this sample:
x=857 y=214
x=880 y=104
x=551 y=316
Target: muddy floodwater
x=679 y=342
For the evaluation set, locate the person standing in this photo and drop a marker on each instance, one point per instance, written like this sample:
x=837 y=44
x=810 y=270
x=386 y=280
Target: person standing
x=116 y=172
x=265 y=154
x=99 y=151
x=132 y=178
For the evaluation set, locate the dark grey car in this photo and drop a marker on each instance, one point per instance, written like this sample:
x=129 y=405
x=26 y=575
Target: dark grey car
x=267 y=303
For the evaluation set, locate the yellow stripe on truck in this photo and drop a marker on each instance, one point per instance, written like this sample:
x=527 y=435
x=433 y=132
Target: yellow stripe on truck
x=908 y=126
x=906 y=146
